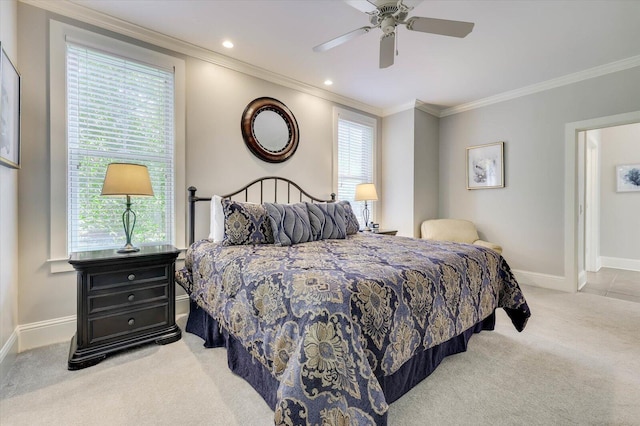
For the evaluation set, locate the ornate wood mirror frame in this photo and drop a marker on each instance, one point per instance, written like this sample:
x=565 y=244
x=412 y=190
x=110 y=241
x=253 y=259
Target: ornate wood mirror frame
x=270 y=130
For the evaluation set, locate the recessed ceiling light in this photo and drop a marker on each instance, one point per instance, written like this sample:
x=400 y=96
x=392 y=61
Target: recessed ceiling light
x=228 y=44
x=328 y=82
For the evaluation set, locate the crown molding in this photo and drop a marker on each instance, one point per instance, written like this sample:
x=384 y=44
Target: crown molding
x=398 y=108
x=81 y=13
x=415 y=104
x=428 y=108
x=86 y=15
x=598 y=71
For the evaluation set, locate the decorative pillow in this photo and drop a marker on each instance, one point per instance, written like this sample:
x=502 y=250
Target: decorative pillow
x=351 y=221
x=216 y=226
x=290 y=223
x=327 y=221
x=245 y=223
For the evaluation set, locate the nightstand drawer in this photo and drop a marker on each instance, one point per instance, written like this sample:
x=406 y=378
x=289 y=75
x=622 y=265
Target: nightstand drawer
x=127 y=298
x=127 y=277
x=111 y=326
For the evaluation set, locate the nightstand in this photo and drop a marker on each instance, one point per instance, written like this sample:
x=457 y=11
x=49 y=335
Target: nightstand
x=124 y=300
x=386 y=231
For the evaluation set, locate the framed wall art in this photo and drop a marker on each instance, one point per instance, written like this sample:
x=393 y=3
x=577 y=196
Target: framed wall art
x=485 y=166
x=628 y=177
x=9 y=112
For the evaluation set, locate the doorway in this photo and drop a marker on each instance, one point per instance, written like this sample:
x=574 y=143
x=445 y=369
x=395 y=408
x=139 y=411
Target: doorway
x=574 y=219
x=608 y=262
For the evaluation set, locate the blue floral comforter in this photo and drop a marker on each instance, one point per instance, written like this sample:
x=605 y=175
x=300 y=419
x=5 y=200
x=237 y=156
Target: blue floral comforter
x=326 y=317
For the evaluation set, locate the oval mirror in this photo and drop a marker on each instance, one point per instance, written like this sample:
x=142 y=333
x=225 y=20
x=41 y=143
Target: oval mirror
x=270 y=130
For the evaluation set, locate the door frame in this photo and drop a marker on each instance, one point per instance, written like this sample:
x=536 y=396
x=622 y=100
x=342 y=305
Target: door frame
x=571 y=205
x=592 y=200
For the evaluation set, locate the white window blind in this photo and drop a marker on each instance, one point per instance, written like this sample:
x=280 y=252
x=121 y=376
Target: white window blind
x=118 y=110
x=355 y=161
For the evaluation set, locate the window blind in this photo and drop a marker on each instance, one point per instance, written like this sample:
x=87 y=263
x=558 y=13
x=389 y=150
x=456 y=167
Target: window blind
x=118 y=110
x=355 y=161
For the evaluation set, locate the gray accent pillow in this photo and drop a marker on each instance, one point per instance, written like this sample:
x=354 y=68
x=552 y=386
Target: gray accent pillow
x=327 y=221
x=245 y=223
x=290 y=223
x=351 y=221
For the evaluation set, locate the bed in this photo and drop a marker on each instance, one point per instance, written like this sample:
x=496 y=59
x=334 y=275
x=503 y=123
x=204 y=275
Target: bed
x=331 y=330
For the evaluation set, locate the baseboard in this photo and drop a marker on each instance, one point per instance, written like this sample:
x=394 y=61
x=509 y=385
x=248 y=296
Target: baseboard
x=552 y=282
x=43 y=333
x=182 y=304
x=620 y=263
x=8 y=353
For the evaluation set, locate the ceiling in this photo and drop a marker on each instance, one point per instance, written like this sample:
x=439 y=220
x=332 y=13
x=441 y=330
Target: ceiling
x=514 y=44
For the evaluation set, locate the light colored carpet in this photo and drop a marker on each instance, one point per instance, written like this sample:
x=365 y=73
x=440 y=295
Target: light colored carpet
x=578 y=362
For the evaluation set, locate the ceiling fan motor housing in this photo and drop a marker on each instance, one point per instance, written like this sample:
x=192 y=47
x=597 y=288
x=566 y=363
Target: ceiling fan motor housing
x=388 y=25
x=388 y=16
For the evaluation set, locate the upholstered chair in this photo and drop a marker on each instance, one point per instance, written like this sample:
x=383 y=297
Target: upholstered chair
x=456 y=230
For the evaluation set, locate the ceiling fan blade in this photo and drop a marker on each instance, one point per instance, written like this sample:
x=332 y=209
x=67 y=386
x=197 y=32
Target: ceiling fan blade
x=362 y=5
x=341 y=39
x=387 y=50
x=440 y=26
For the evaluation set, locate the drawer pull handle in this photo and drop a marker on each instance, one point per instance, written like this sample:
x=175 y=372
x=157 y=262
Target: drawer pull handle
x=131 y=297
x=131 y=321
x=131 y=277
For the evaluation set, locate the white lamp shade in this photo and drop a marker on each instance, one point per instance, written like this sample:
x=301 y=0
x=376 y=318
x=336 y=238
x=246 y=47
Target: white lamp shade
x=366 y=192
x=127 y=179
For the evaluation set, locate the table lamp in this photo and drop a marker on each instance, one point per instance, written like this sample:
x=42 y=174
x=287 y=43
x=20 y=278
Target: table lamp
x=366 y=192
x=127 y=179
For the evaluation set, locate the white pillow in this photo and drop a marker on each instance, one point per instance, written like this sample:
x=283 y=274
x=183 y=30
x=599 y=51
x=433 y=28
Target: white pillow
x=216 y=228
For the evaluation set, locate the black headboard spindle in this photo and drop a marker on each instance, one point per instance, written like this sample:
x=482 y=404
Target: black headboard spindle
x=193 y=198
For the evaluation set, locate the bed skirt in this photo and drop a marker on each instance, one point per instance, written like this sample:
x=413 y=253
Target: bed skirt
x=394 y=386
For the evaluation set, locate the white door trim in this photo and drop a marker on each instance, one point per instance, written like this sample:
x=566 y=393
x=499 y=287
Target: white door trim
x=571 y=187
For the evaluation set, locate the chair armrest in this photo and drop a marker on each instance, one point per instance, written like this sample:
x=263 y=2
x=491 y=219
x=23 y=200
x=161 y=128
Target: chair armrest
x=495 y=247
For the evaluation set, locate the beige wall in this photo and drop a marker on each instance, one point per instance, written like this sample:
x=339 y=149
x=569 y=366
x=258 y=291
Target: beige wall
x=619 y=211
x=409 y=166
x=426 y=168
x=8 y=211
x=217 y=160
x=396 y=162
x=527 y=216
x=421 y=162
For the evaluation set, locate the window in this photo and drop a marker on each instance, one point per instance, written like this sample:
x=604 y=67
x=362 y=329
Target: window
x=118 y=110
x=113 y=102
x=355 y=159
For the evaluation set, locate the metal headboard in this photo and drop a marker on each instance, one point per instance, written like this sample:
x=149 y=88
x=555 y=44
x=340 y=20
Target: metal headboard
x=193 y=198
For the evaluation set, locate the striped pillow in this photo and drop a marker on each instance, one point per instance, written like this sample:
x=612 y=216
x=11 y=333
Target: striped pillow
x=351 y=221
x=290 y=223
x=327 y=221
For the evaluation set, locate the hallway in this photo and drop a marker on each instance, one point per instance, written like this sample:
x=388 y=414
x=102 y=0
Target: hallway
x=616 y=283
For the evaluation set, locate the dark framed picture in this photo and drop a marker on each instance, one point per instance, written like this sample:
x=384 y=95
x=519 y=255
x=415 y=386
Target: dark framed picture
x=9 y=112
x=485 y=166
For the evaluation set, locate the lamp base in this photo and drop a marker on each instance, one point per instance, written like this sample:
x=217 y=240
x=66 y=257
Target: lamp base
x=365 y=216
x=128 y=249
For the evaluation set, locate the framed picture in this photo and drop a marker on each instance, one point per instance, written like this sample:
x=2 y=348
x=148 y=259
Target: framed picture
x=9 y=112
x=628 y=177
x=485 y=166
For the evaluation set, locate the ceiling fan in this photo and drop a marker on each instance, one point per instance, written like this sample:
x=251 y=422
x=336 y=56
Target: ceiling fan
x=387 y=15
